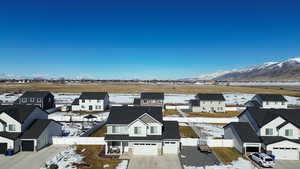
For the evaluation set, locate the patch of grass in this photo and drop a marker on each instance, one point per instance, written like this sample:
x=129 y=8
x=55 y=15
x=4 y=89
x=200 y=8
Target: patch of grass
x=226 y=155
x=100 y=132
x=170 y=112
x=187 y=132
x=93 y=158
x=216 y=115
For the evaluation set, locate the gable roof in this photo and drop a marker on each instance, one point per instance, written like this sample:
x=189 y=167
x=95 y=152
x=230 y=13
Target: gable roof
x=10 y=135
x=36 y=128
x=152 y=96
x=126 y=115
x=41 y=94
x=93 y=95
x=137 y=101
x=244 y=131
x=264 y=116
x=271 y=97
x=194 y=102
x=76 y=101
x=253 y=102
x=18 y=112
x=210 y=96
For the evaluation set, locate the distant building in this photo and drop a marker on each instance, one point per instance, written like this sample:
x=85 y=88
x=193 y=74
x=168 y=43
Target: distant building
x=268 y=101
x=43 y=99
x=208 y=103
x=91 y=101
x=152 y=99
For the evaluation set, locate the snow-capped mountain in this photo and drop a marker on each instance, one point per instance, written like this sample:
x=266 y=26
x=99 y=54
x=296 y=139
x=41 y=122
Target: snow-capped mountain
x=278 y=71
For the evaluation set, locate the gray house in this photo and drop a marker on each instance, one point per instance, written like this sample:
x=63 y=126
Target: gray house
x=208 y=103
x=43 y=99
x=152 y=99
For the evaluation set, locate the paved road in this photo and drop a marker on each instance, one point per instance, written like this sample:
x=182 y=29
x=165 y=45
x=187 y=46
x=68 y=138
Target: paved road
x=191 y=156
x=155 y=162
x=30 y=160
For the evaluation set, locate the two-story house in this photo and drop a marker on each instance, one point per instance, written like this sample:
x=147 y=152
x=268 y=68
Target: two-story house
x=152 y=99
x=25 y=128
x=275 y=131
x=268 y=101
x=91 y=101
x=140 y=130
x=43 y=99
x=208 y=103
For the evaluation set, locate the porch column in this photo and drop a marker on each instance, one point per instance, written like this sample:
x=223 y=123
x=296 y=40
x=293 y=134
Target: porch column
x=121 y=149
x=106 y=148
x=259 y=148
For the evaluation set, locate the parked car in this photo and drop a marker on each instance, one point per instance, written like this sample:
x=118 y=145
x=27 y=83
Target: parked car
x=264 y=160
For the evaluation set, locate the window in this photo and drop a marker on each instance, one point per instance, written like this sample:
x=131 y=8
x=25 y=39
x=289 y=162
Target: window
x=282 y=103
x=24 y=100
x=82 y=107
x=83 y=101
x=115 y=129
x=275 y=102
x=137 y=130
x=12 y=127
x=269 y=131
x=153 y=129
x=288 y=132
x=39 y=100
x=267 y=103
x=31 y=99
x=98 y=101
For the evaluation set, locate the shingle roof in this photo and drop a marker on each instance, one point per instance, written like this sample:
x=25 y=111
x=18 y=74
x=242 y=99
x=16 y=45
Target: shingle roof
x=126 y=137
x=137 y=101
x=93 y=95
x=210 y=96
x=264 y=116
x=245 y=132
x=282 y=125
x=75 y=102
x=36 y=129
x=274 y=139
x=10 y=135
x=195 y=102
x=18 y=112
x=254 y=103
x=271 y=97
x=170 y=130
x=152 y=96
x=36 y=94
x=126 y=115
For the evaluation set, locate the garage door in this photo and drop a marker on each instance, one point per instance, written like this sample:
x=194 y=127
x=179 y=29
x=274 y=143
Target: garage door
x=27 y=145
x=170 y=147
x=285 y=153
x=145 y=149
x=3 y=148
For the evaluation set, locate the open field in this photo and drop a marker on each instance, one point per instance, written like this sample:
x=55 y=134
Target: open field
x=137 y=88
x=187 y=132
x=226 y=155
x=216 y=115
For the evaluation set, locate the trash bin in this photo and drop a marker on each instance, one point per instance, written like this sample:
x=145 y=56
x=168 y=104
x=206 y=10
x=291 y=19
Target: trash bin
x=9 y=152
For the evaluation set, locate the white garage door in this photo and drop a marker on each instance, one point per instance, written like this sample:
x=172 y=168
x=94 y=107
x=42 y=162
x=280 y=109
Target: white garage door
x=170 y=147
x=285 y=153
x=145 y=149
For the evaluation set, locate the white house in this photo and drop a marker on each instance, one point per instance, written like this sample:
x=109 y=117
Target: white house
x=278 y=132
x=268 y=101
x=18 y=121
x=140 y=130
x=91 y=101
x=208 y=103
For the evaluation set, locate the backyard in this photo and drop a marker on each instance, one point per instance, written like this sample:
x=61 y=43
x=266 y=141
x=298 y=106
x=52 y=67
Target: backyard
x=226 y=155
x=187 y=132
x=216 y=115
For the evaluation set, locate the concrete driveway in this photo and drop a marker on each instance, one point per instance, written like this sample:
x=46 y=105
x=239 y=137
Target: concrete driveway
x=287 y=164
x=30 y=160
x=157 y=162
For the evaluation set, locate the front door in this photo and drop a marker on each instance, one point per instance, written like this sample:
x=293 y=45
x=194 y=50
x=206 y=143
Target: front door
x=90 y=107
x=3 y=148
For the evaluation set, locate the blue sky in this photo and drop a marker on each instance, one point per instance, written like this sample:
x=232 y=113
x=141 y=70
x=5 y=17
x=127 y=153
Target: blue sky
x=144 y=39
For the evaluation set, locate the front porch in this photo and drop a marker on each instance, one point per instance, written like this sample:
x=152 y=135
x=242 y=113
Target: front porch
x=116 y=147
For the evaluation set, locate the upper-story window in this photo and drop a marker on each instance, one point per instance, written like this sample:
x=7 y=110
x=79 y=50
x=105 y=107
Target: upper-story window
x=32 y=99
x=115 y=129
x=269 y=131
x=24 y=100
x=289 y=132
x=12 y=127
x=137 y=130
x=275 y=102
x=153 y=130
x=39 y=100
x=267 y=102
x=83 y=101
x=98 y=101
x=282 y=103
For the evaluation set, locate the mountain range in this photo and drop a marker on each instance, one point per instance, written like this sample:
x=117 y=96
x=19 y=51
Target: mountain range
x=287 y=70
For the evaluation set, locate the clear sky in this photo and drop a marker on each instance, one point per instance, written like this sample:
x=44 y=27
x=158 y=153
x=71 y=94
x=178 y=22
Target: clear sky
x=127 y=39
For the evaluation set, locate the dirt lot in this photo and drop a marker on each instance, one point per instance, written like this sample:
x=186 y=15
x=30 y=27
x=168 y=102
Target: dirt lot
x=137 y=88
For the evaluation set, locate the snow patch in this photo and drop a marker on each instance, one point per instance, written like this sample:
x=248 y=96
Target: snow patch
x=238 y=164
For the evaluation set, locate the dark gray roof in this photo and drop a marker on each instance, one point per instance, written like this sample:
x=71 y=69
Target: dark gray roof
x=271 y=97
x=93 y=95
x=36 y=129
x=152 y=96
x=40 y=94
x=76 y=102
x=245 y=132
x=264 y=116
x=170 y=130
x=18 y=112
x=195 y=102
x=210 y=96
x=137 y=101
x=126 y=137
x=10 y=135
x=127 y=114
x=254 y=103
x=274 y=139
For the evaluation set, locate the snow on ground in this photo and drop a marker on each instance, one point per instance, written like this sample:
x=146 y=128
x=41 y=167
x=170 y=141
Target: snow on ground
x=74 y=129
x=211 y=130
x=239 y=164
x=66 y=116
x=123 y=165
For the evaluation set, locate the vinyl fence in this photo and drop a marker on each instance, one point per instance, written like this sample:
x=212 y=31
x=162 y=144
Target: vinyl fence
x=201 y=119
x=210 y=142
x=78 y=140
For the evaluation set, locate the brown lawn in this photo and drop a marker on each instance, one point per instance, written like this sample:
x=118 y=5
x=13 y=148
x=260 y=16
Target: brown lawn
x=170 y=112
x=100 y=132
x=187 y=132
x=216 y=115
x=226 y=155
